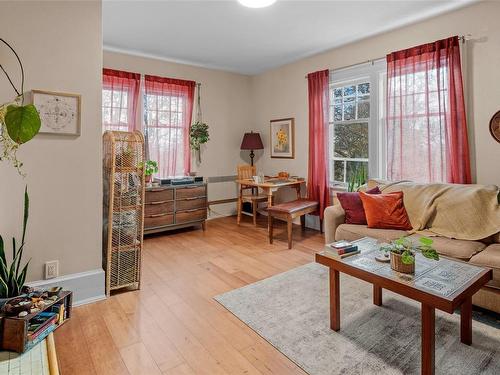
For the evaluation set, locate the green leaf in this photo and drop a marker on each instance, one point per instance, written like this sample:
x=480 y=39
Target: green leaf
x=426 y=241
x=430 y=253
x=4 y=290
x=2 y=250
x=4 y=275
x=22 y=276
x=407 y=258
x=22 y=122
x=26 y=212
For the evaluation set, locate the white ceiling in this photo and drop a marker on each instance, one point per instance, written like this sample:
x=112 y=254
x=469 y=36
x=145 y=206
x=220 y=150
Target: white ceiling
x=228 y=36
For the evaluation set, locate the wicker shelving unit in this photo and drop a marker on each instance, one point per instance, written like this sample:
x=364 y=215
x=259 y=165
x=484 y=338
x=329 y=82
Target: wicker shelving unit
x=123 y=208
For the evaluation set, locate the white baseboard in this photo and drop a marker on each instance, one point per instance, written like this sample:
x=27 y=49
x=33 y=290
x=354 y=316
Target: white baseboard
x=87 y=287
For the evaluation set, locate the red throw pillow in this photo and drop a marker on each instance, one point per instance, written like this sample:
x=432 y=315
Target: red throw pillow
x=385 y=211
x=353 y=207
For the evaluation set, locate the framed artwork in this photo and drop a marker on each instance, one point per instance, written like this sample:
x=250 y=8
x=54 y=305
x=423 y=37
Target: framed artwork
x=283 y=138
x=495 y=126
x=59 y=112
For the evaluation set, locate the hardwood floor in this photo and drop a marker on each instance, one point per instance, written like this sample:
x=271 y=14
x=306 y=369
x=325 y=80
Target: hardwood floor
x=172 y=325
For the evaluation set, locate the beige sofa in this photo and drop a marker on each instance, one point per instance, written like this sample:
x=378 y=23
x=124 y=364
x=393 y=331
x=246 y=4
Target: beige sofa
x=485 y=252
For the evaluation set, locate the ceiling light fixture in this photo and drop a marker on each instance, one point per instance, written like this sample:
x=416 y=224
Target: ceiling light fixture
x=256 y=3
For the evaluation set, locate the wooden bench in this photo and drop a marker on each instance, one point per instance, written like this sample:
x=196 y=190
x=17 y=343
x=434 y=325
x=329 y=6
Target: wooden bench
x=288 y=211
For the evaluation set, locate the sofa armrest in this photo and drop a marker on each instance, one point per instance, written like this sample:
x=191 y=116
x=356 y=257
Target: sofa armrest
x=333 y=217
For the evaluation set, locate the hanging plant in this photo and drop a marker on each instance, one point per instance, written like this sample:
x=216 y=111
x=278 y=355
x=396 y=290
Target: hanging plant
x=198 y=136
x=198 y=133
x=19 y=123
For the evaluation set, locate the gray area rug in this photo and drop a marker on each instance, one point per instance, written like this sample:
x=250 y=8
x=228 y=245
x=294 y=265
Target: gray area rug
x=291 y=311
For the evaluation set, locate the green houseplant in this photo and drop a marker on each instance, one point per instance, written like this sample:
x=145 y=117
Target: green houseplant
x=19 y=123
x=12 y=277
x=358 y=178
x=198 y=135
x=150 y=168
x=402 y=252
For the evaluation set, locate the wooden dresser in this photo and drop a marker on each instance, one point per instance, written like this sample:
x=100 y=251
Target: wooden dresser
x=171 y=207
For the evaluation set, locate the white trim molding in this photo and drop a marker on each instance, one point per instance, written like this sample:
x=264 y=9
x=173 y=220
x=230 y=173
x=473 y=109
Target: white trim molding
x=87 y=287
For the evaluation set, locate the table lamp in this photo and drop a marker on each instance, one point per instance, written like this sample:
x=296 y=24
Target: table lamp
x=251 y=141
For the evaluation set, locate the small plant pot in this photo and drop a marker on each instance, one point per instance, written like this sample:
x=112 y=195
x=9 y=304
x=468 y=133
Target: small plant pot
x=398 y=265
x=147 y=178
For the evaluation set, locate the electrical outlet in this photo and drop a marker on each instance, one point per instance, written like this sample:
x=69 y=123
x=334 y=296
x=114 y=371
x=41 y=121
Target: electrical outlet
x=51 y=269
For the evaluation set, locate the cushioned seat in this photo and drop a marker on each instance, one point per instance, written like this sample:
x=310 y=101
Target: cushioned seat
x=293 y=206
x=289 y=211
x=351 y=232
x=460 y=249
x=490 y=257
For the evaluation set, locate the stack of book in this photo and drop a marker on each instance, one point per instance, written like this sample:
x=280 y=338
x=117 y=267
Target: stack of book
x=341 y=249
x=41 y=325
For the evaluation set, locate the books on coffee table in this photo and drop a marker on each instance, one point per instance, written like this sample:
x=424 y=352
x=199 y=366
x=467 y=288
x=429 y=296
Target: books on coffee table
x=341 y=249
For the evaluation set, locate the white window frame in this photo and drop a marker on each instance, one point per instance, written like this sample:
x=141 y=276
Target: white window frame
x=373 y=72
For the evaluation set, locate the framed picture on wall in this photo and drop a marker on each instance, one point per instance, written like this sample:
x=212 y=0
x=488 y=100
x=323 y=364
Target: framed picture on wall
x=283 y=138
x=59 y=112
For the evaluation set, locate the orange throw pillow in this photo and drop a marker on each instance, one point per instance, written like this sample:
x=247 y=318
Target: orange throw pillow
x=385 y=211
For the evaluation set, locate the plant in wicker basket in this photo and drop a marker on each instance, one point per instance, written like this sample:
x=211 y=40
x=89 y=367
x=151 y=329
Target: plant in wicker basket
x=403 y=252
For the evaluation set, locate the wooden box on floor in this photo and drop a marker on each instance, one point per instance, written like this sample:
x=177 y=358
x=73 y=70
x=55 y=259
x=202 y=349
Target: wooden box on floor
x=123 y=211
x=15 y=329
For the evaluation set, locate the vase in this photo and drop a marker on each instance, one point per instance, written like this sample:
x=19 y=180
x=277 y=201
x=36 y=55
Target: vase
x=398 y=265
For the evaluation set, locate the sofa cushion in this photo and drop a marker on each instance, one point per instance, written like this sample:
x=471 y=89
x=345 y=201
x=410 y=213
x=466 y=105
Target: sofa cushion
x=489 y=257
x=460 y=249
x=351 y=232
x=385 y=211
x=353 y=207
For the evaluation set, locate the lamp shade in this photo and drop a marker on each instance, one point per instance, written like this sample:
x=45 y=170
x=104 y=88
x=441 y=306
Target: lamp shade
x=251 y=141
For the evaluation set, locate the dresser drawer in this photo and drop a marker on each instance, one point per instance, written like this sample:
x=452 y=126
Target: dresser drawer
x=191 y=215
x=158 y=208
x=190 y=204
x=159 y=195
x=190 y=192
x=158 y=220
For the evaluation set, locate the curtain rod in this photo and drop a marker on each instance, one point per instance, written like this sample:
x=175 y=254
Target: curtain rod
x=462 y=38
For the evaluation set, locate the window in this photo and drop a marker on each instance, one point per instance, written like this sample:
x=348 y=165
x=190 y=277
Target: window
x=168 y=106
x=355 y=121
x=164 y=119
x=418 y=101
x=120 y=93
x=115 y=109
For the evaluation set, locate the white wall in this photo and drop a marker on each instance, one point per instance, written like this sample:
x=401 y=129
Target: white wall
x=60 y=44
x=227 y=109
x=282 y=92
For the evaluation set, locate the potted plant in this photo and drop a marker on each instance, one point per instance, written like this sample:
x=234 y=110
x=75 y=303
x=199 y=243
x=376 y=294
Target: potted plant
x=402 y=252
x=150 y=168
x=198 y=135
x=12 y=276
x=19 y=123
x=358 y=178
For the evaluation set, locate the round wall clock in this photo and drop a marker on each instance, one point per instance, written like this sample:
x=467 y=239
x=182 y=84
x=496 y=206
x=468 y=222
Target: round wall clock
x=495 y=126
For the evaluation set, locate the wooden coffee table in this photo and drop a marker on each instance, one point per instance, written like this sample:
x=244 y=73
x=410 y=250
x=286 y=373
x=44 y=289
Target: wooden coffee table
x=445 y=285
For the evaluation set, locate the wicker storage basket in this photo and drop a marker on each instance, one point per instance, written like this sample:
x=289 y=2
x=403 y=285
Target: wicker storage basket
x=398 y=265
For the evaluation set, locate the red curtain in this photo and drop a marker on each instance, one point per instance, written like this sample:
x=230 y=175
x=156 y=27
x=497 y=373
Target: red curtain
x=169 y=108
x=425 y=121
x=120 y=97
x=318 y=182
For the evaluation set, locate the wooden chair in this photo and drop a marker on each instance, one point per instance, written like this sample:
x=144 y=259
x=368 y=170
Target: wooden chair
x=247 y=172
x=288 y=211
